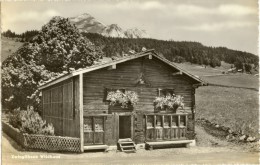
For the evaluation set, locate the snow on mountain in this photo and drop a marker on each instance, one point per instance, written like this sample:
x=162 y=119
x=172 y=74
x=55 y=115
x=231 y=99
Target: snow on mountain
x=87 y=23
x=113 y=30
x=136 y=33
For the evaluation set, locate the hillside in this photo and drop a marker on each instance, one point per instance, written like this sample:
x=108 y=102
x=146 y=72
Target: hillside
x=214 y=76
x=9 y=46
x=176 y=51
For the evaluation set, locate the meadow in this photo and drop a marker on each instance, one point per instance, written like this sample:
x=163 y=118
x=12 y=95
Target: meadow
x=232 y=106
x=9 y=46
x=215 y=76
x=201 y=71
x=235 y=108
x=234 y=80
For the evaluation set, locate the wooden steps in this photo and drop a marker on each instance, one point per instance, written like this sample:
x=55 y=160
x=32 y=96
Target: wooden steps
x=126 y=145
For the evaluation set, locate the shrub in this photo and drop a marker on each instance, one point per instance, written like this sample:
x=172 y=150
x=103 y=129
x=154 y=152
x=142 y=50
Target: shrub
x=30 y=122
x=14 y=118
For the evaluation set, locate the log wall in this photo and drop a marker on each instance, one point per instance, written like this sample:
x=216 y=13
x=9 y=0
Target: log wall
x=126 y=75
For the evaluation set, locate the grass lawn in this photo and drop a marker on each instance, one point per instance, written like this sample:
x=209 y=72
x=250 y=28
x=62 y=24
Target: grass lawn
x=200 y=70
x=235 y=80
x=215 y=76
x=9 y=46
x=231 y=107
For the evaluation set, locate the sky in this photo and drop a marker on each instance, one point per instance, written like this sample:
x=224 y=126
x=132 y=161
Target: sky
x=229 y=23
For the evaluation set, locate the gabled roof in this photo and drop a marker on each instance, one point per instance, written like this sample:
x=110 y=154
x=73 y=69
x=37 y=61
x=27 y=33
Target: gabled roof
x=121 y=60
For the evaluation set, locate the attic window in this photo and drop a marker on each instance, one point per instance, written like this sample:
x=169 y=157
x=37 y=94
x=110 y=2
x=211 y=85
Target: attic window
x=165 y=92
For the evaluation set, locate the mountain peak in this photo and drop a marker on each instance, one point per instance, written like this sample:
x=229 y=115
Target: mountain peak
x=114 y=26
x=113 y=30
x=87 y=23
x=136 y=33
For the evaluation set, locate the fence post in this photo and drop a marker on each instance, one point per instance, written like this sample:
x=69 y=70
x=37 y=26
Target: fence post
x=81 y=112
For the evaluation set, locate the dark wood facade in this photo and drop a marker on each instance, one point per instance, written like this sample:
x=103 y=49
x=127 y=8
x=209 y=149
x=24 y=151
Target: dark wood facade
x=61 y=107
x=101 y=123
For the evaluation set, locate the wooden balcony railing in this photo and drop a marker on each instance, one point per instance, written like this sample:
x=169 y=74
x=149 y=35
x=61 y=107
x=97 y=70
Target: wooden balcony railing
x=160 y=127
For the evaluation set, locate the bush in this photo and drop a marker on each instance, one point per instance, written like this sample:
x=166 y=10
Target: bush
x=30 y=122
x=14 y=118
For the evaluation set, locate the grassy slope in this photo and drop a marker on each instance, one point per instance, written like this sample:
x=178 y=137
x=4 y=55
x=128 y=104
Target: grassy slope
x=236 y=80
x=215 y=76
x=9 y=46
x=200 y=70
x=230 y=107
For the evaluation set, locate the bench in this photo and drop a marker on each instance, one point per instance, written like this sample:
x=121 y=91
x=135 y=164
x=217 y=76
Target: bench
x=150 y=145
x=95 y=147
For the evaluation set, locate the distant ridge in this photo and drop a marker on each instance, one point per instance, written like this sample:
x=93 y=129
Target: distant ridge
x=87 y=23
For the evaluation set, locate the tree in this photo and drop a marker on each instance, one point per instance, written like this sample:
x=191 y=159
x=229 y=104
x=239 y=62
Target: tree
x=28 y=35
x=9 y=34
x=61 y=46
x=215 y=62
x=248 y=67
x=20 y=78
x=239 y=64
x=57 y=48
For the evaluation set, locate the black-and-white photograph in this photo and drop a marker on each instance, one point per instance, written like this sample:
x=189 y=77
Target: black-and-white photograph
x=136 y=82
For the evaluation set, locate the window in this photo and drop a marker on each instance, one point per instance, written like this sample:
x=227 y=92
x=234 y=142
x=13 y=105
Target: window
x=94 y=130
x=88 y=124
x=165 y=92
x=150 y=121
x=99 y=124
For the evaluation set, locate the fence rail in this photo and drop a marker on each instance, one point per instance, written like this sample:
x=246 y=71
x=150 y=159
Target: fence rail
x=42 y=142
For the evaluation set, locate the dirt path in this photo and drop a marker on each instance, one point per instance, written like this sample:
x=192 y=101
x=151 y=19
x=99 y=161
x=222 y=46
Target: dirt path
x=209 y=150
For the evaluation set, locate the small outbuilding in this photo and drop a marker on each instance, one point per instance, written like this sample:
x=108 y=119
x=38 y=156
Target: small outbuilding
x=77 y=103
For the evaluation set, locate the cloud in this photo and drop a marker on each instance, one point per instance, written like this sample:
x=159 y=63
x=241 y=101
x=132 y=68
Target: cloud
x=139 y=5
x=227 y=9
x=28 y=16
x=217 y=26
x=236 y=10
x=191 y=9
x=150 y=5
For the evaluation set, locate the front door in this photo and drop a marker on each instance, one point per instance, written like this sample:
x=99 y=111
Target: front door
x=125 y=127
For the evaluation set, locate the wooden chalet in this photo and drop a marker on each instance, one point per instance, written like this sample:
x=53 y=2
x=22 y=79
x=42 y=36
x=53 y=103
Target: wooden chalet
x=76 y=103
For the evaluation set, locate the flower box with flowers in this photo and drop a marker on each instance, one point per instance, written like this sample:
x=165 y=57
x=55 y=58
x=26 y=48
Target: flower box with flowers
x=125 y=100
x=169 y=103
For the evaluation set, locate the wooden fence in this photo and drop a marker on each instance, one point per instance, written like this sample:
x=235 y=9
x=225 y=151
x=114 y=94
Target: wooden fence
x=42 y=142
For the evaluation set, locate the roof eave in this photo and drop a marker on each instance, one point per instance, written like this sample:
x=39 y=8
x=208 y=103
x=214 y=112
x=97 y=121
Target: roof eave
x=180 y=69
x=102 y=65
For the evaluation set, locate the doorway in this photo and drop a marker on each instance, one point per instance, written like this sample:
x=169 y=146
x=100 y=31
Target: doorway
x=125 y=127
